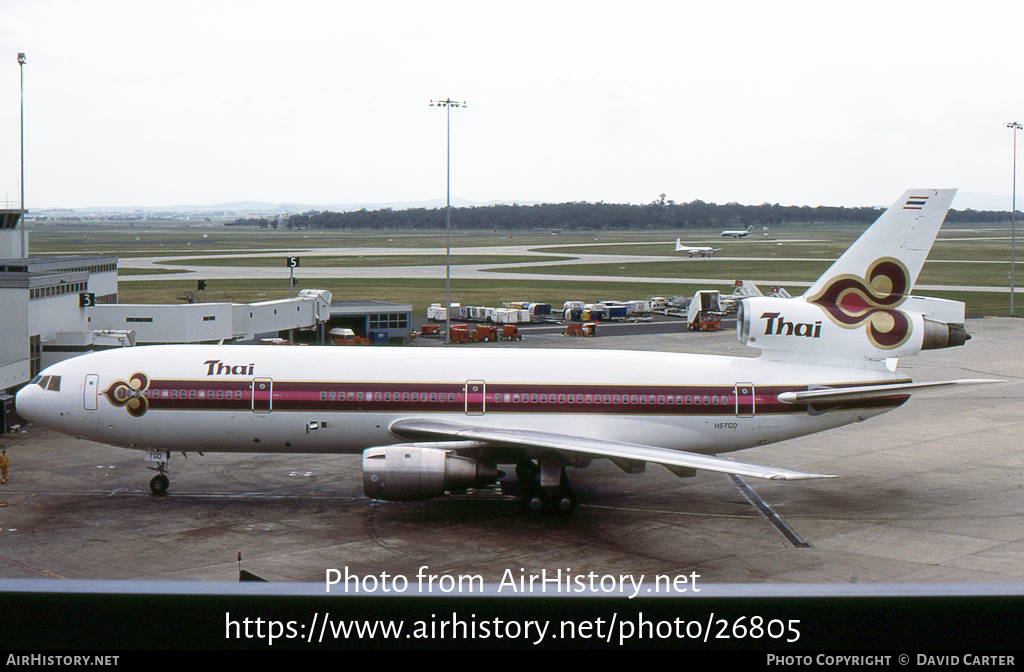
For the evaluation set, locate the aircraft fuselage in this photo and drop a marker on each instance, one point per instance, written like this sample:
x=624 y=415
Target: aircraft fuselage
x=344 y=400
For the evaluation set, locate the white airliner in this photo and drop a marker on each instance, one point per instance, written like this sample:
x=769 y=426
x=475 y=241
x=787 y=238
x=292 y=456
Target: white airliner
x=696 y=251
x=737 y=234
x=429 y=421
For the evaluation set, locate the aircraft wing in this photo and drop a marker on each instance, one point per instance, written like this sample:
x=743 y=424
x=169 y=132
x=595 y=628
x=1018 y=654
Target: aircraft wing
x=421 y=429
x=838 y=394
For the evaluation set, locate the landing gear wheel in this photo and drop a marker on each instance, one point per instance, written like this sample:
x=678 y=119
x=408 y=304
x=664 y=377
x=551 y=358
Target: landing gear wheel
x=159 y=484
x=565 y=501
x=535 y=502
x=544 y=499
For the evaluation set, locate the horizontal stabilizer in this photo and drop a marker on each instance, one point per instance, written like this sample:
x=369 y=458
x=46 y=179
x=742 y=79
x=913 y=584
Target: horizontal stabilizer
x=841 y=394
x=418 y=429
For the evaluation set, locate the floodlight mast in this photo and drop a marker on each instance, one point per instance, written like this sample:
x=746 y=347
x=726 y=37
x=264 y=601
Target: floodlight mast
x=448 y=104
x=1013 y=226
x=24 y=223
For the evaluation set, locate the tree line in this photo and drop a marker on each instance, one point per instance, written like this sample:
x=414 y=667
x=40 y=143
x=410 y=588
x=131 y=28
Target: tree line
x=659 y=215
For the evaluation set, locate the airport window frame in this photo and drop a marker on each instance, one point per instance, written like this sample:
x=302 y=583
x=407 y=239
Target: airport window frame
x=35 y=354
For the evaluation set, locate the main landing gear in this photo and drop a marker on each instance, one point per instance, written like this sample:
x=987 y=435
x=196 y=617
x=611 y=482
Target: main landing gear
x=545 y=488
x=159 y=483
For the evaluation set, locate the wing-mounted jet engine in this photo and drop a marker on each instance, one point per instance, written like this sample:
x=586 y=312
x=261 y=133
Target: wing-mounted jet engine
x=408 y=472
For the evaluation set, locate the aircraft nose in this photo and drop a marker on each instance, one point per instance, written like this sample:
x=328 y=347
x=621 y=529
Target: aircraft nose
x=27 y=403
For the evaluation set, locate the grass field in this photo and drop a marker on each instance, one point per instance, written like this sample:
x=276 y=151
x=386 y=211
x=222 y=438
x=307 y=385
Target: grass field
x=372 y=260
x=938 y=272
x=159 y=238
x=148 y=271
x=803 y=252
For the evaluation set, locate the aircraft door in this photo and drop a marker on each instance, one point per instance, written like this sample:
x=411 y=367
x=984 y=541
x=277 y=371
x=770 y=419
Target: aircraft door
x=90 y=392
x=262 y=395
x=744 y=400
x=475 y=397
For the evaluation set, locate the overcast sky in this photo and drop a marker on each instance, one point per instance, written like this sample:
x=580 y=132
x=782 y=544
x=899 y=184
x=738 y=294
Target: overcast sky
x=159 y=103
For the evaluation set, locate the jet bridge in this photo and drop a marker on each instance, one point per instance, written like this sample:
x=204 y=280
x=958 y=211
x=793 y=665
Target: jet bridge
x=214 y=322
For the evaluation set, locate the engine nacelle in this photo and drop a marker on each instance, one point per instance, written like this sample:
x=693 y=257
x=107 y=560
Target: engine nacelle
x=939 y=335
x=407 y=472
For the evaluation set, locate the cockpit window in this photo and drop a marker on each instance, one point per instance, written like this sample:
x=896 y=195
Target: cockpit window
x=44 y=381
x=54 y=385
x=34 y=380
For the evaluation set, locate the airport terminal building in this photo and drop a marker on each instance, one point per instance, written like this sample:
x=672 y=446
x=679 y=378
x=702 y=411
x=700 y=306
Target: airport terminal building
x=40 y=297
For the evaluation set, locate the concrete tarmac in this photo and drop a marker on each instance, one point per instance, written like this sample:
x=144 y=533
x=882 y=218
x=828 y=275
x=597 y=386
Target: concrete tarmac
x=932 y=492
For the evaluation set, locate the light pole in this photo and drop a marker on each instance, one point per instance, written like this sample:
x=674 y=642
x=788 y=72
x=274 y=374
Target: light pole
x=24 y=242
x=448 y=104
x=1013 y=227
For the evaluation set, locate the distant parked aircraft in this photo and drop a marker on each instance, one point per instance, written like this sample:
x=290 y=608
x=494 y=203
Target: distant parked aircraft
x=737 y=234
x=696 y=251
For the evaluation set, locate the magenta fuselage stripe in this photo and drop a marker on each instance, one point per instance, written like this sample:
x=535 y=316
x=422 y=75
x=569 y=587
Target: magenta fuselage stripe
x=451 y=398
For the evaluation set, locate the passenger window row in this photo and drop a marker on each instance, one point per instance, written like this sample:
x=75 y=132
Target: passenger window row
x=190 y=394
x=388 y=396
x=533 y=398
x=516 y=398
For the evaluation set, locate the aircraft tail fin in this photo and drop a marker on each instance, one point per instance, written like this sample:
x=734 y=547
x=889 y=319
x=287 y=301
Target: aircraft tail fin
x=860 y=309
x=888 y=256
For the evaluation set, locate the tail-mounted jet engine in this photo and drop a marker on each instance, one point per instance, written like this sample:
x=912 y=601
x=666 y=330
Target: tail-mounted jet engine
x=938 y=335
x=408 y=472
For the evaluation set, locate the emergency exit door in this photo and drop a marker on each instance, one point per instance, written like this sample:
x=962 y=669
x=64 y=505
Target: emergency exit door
x=90 y=391
x=475 y=397
x=745 y=406
x=262 y=395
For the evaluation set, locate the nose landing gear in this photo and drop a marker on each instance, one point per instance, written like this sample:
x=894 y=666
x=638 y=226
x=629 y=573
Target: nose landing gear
x=159 y=483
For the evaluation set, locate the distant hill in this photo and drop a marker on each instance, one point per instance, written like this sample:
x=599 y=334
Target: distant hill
x=964 y=201
x=239 y=208
x=969 y=200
